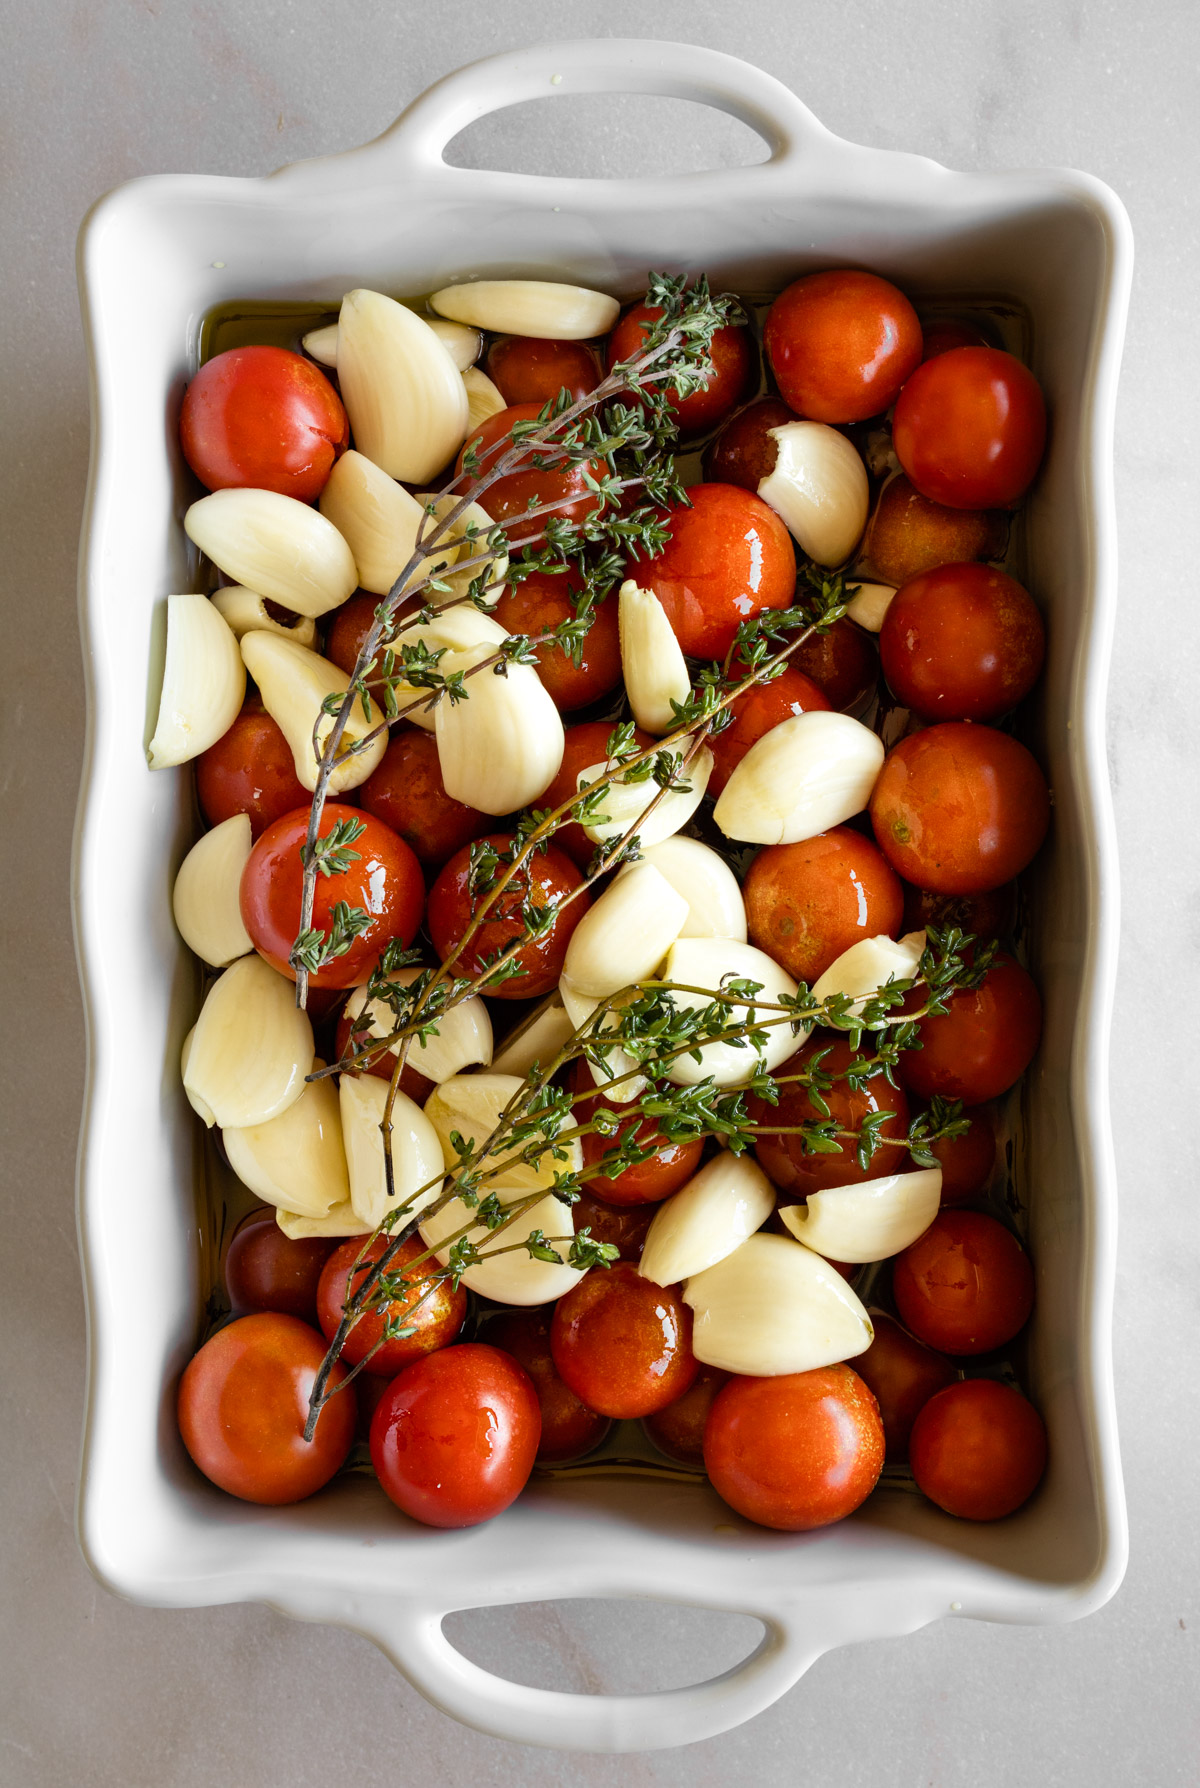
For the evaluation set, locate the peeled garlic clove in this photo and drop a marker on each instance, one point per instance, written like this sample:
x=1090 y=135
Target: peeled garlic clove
x=293 y=683
x=624 y=802
x=772 y=1307
x=809 y=773
x=870 y=1221
x=206 y=900
x=484 y=398
x=462 y=1037
x=819 y=488
x=403 y=393
x=276 y=545
x=463 y=345
x=707 y=1219
x=194 y=1100
x=416 y=1151
x=377 y=518
x=529 y=307
x=251 y=1048
x=502 y=747
x=204 y=683
x=655 y=671
x=537 y=1038
x=615 y=1069
x=455 y=632
x=625 y=934
x=295 y=1161
x=706 y=882
x=340 y=1221
x=869 y=604
x=710 y=964
x=868 y=965
x=468 y=535
x=322 y=344
x=245 y=612
x=472 y=1105
x=510 y=1277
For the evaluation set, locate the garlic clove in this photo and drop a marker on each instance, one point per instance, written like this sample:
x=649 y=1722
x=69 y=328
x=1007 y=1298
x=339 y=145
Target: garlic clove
x=322 y=344
x=378 y=519
x=537 y=1039
x=416 y=1150
x=484 y=398
x=624 y=802
x=472 y=1105
x=293 y=682
x=455 y=632
x=868 y=965
x=402 y=390
x=468 y=533
x=462 y=344
x=706 y=882
x=869 y=604
x=870 y=1221
x=462 y=1037
x=614 y=1070
x=711 y=963
x=340 y=1221
x=819 y=489
x=204 y=683
x=251 y=1047
x=245 y=612
x=809 y=773
x=295 y=1161
x=276 y=545
x=656 y=673
x=206 y=898
x=503 y=746
x=511 y=1277
x=535 y=307
x=625 y=934
x=707 y=1219
x=772 y=1307
x=194 y=1100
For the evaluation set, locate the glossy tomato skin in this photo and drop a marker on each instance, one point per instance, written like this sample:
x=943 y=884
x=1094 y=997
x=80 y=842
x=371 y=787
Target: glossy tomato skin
x=761 y=707
x=527 y=370
x=265 y=418
x=970 y=429
x=963 y=642
x=585 y=745
x=959 y=808
x=569 y=1427
x=782 y=1158
x=678 y=1430
x=243 y=1403
x=744 y=453
x=978 y=1449
x=416 y=1086
x=624 y=1226
x=844 y=664
x=563 y=486
x=728 y=558
x=984 y=916
x=544 y=602
x=797 y=1451
x=732 y=355
x=949 y=332
x=909 y=534
x=407 y=793
x=806 y=903
x=267 y=1270
x=385 y=880
x=436 y=1312
x=841 y=344
x=984 y=1041
x=669 y=1168
x=452 y=905
x=965 y=1286
x=249 y=770
x=455 y=1435
x=349 y=626
x=966 y=1161
x=903 y=1374
x=622 y=1343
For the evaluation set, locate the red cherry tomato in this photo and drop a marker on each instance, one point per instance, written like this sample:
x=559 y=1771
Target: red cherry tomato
x=249 y=770
x=806 y=903
x=965 y=1286
x=585 y=745
x=960 y=808
x=267 y=1270
x=978 y=1449
x=949 y=333
x=624 y=1226
x=541 y=603
x=841 y=345
x=415 y=1085
x=763 y=706
x=454 y=1437
x=407 y=793
x=795 y=1452
x=970 y=429
x=732 y=357
x=452 y=906
x=963 y=642
x=263 y=417
x=669 y=1168
x=909 y=534
x=243 y=1403
x=569 y=1427
x=844 y=664
x=622 y=1343
x=966 y=1161
x=745 y=451
x=349 y=626
x=903 y=1375
x=527 y=370
x=528 y=486
x=782 y=1158
x=728 y=558
x=985 y=916
x=435 y=1310
x=984 y=1041
x=678 y=1430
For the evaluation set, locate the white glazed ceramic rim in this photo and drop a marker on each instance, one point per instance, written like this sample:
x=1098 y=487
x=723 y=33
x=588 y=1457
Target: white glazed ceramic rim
x=152 y=1532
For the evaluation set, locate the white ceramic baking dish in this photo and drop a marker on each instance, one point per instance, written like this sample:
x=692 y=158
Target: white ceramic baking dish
x=155 y=256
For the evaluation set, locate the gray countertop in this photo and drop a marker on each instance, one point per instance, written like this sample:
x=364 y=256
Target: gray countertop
x=95 y=1691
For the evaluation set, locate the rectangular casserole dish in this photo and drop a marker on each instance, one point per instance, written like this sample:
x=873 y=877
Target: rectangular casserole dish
x=155 y=256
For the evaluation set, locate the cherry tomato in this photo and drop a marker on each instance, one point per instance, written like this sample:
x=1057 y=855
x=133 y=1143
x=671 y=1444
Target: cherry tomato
x=527 y=370
x=349 y=626
x=678 y=1430
x=959 y=808
x=985 y=916
x=624 y=1226
x=732 y=355
x=263 y=417
x=569 y=1427
x=541 y=603
x=947 y=333
x=435 y=1310
x=965 y=1286
x=970 y=429
x=806 y=903
x=243 y=1403
x=454 y=1437
x=844 y=664
x=984 y=1041
x=267 y=1270
x=529 y=486
x=249 y=770
x=452 y=907
x=966 y=1161
x=417 y=1086
x=745 y=451
x=978 y=1449
x=963 y=642
x=586 y=744
x=841 y=345
x=384 y=880
x=622 y=1343
x=669 y=1168
x=797 y=1451
x=728 y=557
x=763 y=706
x=909 y=534
x=407 y=793
x=904 y=1375
x=782 y=1158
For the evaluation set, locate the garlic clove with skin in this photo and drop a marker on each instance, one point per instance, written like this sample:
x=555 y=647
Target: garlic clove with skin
x=402 y=390
x=251 y=1047
x=625 y=934
x=293 y=683
x=417 y=1159
x=655 y=670
x=869 y=605
x=716 y=1211
x=624 y=802
x=709 y=965
x=204 y=683
x=245 y=611
x=460 y=1038
x=503 y=746
x=706 y=882
x=276 y=545
x=870 y=1221
x=773 y=1307
x=295 y=1161
x=536 y=307
x=819 y=489
x=809 y=773
x=206 y=898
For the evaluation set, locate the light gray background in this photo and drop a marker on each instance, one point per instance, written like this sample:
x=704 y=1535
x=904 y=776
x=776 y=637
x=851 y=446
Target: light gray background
x=93 y=1691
